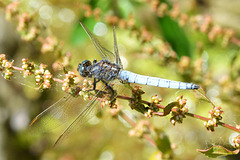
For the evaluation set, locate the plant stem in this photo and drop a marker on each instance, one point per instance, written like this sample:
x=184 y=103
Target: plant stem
x=133 y=124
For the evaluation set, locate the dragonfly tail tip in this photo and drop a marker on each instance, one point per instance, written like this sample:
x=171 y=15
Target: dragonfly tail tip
x=195 y=86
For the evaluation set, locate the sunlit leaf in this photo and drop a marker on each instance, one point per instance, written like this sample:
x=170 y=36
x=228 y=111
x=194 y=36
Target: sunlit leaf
x=125 y=8
x=104 y=5
x=216 y=151
x=175 y=35
x=163 y=143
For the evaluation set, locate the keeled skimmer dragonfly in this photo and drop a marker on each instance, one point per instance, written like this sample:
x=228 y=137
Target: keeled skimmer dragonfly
x=106 y=70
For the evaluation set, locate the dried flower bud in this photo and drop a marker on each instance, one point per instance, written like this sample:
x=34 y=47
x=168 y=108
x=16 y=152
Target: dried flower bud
x=12 y=10
x=236 y=141
x=162 y=9
x=49 y=45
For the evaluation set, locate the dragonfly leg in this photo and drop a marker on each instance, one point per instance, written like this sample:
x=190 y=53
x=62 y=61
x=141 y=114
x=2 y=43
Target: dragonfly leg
x=111 y=89
x=94 y=84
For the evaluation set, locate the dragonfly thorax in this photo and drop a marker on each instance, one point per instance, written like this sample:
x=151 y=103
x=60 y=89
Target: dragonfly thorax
x=101 y=70
x=85 y=68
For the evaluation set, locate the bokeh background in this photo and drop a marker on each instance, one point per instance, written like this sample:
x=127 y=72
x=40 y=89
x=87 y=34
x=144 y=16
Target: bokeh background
x=191 y=41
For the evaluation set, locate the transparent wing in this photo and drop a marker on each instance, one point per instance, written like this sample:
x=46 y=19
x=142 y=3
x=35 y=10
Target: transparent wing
x=57 y=114
x=82 y=117
x=118 y=60
x=62 y=112
x=103 y=52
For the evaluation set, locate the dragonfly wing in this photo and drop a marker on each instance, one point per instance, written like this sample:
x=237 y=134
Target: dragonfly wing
x=57 y=114
x=82 y=117
x=103 y=52
x=118 y=60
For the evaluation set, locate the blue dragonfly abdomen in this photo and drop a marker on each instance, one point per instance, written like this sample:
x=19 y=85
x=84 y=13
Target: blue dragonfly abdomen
x=131 y=77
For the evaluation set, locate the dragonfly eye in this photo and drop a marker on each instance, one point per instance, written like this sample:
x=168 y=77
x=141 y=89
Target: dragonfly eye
x=84 y=68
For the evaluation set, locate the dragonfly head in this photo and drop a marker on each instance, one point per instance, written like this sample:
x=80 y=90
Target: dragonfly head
x=84 y=68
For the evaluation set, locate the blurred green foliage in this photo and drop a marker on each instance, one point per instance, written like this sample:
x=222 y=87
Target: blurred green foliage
x=162 y=49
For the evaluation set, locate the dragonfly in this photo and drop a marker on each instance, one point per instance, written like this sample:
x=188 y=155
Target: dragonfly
x=107 y=71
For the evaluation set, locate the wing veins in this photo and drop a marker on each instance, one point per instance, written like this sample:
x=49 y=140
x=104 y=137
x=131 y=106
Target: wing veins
x=101 y=50
x=67 y=98
x=118 y=60
x=80 y=117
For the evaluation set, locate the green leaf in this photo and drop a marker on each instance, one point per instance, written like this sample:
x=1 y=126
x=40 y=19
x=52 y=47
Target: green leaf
x=216 y=151
x=125 y=7
x=163 y=143
x=175 y=35
x=104 y=5
x=168 y=108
